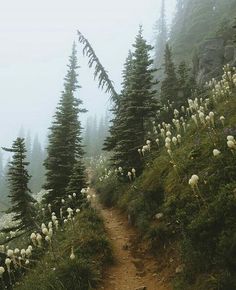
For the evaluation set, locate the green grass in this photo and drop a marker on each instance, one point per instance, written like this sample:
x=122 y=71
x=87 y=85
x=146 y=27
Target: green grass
x=55 y=270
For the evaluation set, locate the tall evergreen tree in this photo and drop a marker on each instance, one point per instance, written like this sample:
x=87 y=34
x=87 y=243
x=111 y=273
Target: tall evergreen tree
x=64 y=146
x=111 y=141
x=4 y=189
x=88 y=139
x=28 y=145
x=234 y=36
x=169 y=85
x=186 y=83
x=136 y=105
x=36 y=168
x=161 y=38
x=18 y=178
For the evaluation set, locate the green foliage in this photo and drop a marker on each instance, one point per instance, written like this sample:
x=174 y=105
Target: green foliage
x=77 y=182
x=161 y=38
x=100 y=72
x=134 y=109
x=92 y=252
x=65 y=139
x=18 y=178
x=36 y=167
x=95 y=134
x=169 y=84
x=109 y=190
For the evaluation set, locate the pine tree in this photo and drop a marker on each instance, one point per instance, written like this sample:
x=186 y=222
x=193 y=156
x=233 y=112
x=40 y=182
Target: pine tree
x=36 y=168
x=118 y=107
x=94 y=143
x=186 y=84
x=65 y=139
x=18 y=178
x=4 y=190
x=100 y=135
x=77 y=182
x=161 y=38
x=169 y=85
x=28 y=146
x=136 y=106
x=234 y=36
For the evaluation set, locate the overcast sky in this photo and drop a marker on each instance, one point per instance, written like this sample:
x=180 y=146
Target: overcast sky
x=35 y=42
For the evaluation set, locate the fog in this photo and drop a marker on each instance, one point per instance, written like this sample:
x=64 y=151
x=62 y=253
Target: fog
x=36 y=39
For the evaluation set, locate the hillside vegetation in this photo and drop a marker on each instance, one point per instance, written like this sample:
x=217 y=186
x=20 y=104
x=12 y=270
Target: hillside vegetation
x=185 y=197
x=169 y=167
x=70 y=254
x=75 y=258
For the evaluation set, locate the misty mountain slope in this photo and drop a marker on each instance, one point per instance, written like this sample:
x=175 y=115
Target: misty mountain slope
x=197 y=21
x=185 y=198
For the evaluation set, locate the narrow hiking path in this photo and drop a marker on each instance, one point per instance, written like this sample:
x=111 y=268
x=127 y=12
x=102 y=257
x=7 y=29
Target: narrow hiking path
x=133 y=268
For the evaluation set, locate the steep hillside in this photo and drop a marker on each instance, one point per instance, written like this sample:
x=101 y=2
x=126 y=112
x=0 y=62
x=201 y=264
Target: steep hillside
x=184 y=202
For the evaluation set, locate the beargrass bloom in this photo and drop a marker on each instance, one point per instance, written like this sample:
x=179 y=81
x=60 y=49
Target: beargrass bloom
x=16 y=251
x=28 y=252
x=193 y=181
x=33 y=238
x=2 y=270
x=22 y=252
x=174 y=140
x=202 y=117
x=72 y=255
x=130 y=175
x=231 y=138
x=216 y=152
x=194 y=117
x=8 y=264
x=212 y=118
x=133 y=172
x=222 y=119
x=45 y=231
x=231 y=145
x=39 y=239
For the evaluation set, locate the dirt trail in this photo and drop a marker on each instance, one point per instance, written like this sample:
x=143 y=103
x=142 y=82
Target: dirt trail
x=133 y=268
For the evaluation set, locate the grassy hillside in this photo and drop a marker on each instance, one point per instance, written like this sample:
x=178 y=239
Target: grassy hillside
x=197 y=219
x=73 y=259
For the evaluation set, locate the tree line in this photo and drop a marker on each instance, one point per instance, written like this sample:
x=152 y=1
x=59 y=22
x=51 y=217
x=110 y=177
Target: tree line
x=64 y=171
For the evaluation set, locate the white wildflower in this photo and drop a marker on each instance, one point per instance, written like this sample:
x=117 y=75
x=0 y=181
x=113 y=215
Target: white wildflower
x=216 y=152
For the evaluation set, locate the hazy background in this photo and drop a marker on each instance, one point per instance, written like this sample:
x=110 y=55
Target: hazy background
x=35 y=42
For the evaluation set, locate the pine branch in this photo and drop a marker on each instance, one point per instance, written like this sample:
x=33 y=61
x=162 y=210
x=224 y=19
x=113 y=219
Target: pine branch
x=100 y=73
